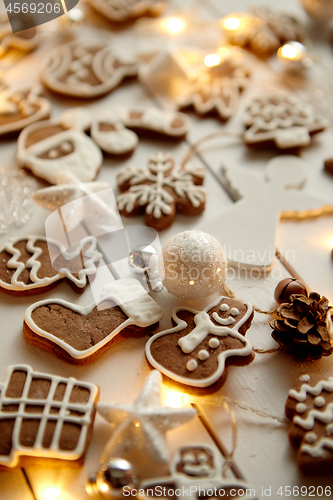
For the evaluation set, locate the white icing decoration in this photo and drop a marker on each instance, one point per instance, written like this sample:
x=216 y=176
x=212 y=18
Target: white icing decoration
x=203 y=476
x=318 y=450
x=64 y=406
x=204 y=327
x=319 y=401
x=192 y=365
x=11 y=100
x=311 y=437
x=224 y=307
x=203 y=355
x=102 y=64
x=301 y=408
x=234 y=311
x=188 y=458
x=53 y=153
x=322 y=385
x=329 y=429
x=121 y=10
x=304 y=378
x=282 y=118
x=127 y=293
x=121 y=140
x=91 y=257
x=223 y=321
x=325 y=417
x=84 y=162
x=148 y=186
x=214 y=343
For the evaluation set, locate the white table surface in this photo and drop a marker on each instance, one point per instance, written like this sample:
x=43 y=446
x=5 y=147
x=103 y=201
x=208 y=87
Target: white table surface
x=263 y=456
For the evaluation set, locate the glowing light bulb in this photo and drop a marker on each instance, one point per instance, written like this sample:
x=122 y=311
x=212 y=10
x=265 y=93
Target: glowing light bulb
x=231 y=23
x=172 y=398
x=52 y=493
x=212 y=60
x=174 y=25
x=104 y=487
x=289 y=51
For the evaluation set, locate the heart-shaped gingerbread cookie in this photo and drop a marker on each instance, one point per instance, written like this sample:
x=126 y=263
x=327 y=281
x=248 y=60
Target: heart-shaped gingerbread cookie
x=196 y=350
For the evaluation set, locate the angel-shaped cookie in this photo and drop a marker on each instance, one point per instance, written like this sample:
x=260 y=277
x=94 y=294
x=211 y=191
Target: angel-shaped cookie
x=27 y=266
x=21 y=106
x=196 y=350
x=50 y=147
x=86 y=69
x=116 y=129
x=123 y=310
x=195 y=471
x=248 y=228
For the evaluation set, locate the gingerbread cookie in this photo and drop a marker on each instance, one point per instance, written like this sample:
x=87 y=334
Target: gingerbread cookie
x=26 y=266
x=198 y=469
x=196 y=350
x=86 y=69
x=19 y=107
x=282 y=120
x=110 y=129
x=160 y=191
x=310 y=407
x=50 y=147
x=125 y=10
x=25 y=41
x=218 y=89
x=124 y=310
x=44 y=419
x=328 y=166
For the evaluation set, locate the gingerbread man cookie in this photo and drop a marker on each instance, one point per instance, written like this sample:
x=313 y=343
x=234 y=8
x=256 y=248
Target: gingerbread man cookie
x=44 y=419
x=310 y=407
x=217 y=90
x=26 y=266
x=282 y=120
x=124 y=310
x=196 y=350
x=86 y=69
x=21 y=106
x=50 y=147
x=196 y=471
x=115 y=130
x=124 y=10
x=160 y=191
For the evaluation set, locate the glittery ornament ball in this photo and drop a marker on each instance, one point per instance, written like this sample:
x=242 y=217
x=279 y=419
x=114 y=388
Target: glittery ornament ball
x=195 y=265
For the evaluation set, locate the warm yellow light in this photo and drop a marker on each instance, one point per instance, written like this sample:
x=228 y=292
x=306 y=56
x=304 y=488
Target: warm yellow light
x=289 y=52
x=104 y=487
x=52 y=493
x=231 y=23
x=329 y=242
x=174 y=25
x=212 y=60
x=172 y=398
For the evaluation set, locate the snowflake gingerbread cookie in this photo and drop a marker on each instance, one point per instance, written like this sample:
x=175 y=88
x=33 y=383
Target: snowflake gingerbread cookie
x=124 y=310
x=26 y=264
x=282 y=120
x=86 y=69
x=196 y=351
x=218 y=89
x=50 y=147
x=310 y=407
x=44 y=419
x=160 y=191
x=21 y=106
x=125 y=10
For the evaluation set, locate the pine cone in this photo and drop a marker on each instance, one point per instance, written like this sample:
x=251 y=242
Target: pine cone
x=304 y=327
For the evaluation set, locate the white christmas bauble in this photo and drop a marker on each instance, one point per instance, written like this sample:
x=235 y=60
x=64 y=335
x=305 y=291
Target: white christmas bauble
x=320 y=10
x=195 y=265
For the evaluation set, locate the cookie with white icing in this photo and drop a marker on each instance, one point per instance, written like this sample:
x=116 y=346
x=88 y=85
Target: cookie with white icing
x=197 y=351
x=124 y=310
x=197 y=468
x=116 y=129
x=310 y=407
x=120 y=11
x=160 y=191
x=44 y=419
x=281 y=120
x=25 y=41
x=33 y=264
x=21 y=106
x=53 y=146
x=86 y=69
